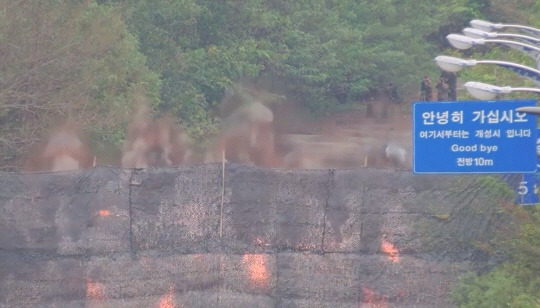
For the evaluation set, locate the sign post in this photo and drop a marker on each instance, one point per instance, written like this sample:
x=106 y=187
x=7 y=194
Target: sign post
x=473 y=137
x=527 y=191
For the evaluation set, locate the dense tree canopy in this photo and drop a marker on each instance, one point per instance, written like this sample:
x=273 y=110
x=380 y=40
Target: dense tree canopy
x=91 y=60
x=513 y=284
x=66 y=60
x=317 y=52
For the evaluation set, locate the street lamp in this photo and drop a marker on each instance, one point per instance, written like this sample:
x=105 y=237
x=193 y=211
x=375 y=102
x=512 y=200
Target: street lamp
x=477 y=33
x=531 y=53
x=453 y=64
x=486 y=91
x=531 y=110
x=489 y=26
x=464 y=42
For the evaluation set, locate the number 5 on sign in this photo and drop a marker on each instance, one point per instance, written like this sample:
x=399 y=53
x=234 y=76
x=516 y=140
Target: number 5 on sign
x=522 y=189
x=527 y=190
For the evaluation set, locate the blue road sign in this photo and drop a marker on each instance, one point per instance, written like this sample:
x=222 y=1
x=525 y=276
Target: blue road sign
x=473 y=137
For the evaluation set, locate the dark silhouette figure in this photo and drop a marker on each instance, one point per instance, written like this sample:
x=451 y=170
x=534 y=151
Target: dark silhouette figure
x=451 y=80
x=369 y=110
x=391 y=92
x=442 y=90
x=426 y=90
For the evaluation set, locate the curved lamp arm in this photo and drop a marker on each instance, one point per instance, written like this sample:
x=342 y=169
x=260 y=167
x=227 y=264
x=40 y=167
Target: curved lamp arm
x=453 y=64
x=486 y=91
x=489 y=26
x=529 y=109
x=464 y=42
x=477 y=33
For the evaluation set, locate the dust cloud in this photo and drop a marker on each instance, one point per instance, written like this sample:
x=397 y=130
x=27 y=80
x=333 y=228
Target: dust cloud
x=154 y=143
x=257 y=129
x=63 y=149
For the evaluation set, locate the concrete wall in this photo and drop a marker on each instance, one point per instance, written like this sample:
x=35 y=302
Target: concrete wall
x=188 y=237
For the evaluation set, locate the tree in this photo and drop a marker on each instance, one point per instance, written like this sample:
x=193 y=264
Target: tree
x=319 y=52
x=66 y=60
x=198 y=53
x=513 y=284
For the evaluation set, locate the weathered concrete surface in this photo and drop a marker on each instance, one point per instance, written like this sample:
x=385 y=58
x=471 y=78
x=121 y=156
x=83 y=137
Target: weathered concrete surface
x=189 y=237
x=59 y=213
x=176 y=209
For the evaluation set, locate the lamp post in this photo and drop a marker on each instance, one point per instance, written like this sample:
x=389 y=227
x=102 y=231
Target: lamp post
x=529 y=40
x=453 y=64
x=465 y=42
x=477 y=33
x=531 y=110
x=489 y=27
x=486 y=91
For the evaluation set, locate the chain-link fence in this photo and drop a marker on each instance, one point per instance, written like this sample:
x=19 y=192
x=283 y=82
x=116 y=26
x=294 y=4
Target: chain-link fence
x=248 y=237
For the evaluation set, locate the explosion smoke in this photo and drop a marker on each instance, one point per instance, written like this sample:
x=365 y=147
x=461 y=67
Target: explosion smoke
x=247 y=136
x=251 y=132
x=154 y=143
x=62 y=150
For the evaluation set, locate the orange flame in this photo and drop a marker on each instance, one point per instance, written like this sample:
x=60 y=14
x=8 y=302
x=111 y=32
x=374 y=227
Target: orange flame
x=389 y=249
x=371 y=299
x=94 y=290
x=257 y=270
x=167 y=300
x=103 y=213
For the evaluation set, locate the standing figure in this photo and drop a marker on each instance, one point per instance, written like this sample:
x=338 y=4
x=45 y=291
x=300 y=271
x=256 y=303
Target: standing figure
x=442 y=90
x=369 y=110
x=426 y=89
x=392 y=94
x=451 y=80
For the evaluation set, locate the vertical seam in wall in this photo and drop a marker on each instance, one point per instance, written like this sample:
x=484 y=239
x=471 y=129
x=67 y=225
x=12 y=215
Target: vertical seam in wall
x=222 y=196
x=329 y=185
x=130 y=209
x=362 y=206
x=277 y=299
x=220 y=278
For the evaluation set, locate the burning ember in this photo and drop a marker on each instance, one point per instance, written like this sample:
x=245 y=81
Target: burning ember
x=103 y=213
x=256 y=269
x=167 y=300
x=389 y=249
x=94 y=290
x=371 y=300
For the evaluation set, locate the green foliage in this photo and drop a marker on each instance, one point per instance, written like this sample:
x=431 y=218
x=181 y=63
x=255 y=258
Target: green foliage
x=86 y=60
x=495 y=188
x=66 y=60
x=514 y=284
x=319 y=52
x=198 y=52
x=499 y=288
